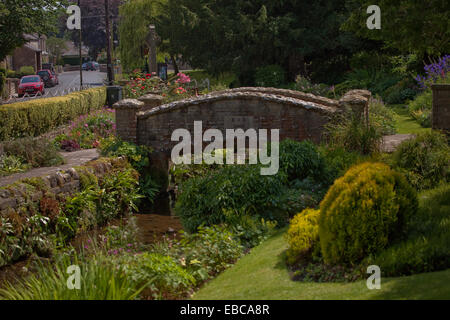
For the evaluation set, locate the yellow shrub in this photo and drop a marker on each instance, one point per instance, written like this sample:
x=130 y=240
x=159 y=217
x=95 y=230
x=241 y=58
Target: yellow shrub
x=363 y=212
x=35 y=117
x=303 y=234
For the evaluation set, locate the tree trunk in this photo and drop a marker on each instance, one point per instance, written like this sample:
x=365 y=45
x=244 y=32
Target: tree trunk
x=175 y=65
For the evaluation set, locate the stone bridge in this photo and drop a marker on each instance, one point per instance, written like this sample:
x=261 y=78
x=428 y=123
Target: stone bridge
x=298 y=116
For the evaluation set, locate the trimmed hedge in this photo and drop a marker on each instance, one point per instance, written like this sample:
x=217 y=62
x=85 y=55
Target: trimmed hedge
x=35 y=117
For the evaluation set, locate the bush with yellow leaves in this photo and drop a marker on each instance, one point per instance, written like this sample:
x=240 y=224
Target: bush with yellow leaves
x=303 y=235
x=363 y=212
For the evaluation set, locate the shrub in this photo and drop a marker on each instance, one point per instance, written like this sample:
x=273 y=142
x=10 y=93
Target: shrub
x=363 y=212
x=26 y=71
x=424 y=160
x=348 y=131
x=270 y=76
x=420 y=108
x=381 y=117
x=209 y=251
x=299 y=160
x=206 y=200
x=400 y=92
x=36 y=152
x=303 y=235
x=11 y=164
x=162 y=277
x=427 y=247
x=36 y=117
x=303 y=84
x=138 y=156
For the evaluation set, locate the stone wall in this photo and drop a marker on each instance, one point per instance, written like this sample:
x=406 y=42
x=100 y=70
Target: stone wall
x=441 y=107
x=60 y=184
x=298 y=116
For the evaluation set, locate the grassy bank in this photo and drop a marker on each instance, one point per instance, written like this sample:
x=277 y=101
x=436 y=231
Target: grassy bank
x=262 y=275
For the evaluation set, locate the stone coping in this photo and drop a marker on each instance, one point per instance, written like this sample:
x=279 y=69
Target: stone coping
x=442 y=86
x=286 y=93
x=230 y=96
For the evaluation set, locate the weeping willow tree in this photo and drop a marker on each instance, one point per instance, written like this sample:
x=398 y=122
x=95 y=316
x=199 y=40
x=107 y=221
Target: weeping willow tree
x=136 y=17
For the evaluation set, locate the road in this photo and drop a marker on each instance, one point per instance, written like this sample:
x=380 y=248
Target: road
x=68 y=82
x=72 y=80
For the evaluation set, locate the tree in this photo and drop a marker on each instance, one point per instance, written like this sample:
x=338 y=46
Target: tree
x=240 y=35
x=56 y=46
x=136 y=17
x=93 y=23
x=18 y=17
x=411 y=26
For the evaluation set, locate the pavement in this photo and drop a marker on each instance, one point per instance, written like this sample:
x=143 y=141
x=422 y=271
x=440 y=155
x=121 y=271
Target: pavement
x=390 y=143
x=72 y=159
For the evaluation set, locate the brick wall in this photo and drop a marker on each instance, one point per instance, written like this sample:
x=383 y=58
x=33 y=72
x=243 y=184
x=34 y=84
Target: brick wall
x=441 y=107
x=297 y=115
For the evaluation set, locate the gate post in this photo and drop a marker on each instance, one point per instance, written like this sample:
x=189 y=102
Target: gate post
x=126 y=119
x=440 y=116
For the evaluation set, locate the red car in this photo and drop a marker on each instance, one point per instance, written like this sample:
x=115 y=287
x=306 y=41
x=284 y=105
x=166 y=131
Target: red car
x=31 y=85
x=49 y=77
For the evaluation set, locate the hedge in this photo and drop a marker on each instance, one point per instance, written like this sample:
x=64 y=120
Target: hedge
x=35 y=117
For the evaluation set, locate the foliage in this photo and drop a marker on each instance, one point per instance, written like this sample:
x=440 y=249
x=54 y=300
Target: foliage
x=381 y=117
x=134 y=30
x=250 y=231
x=138 y=156
x=27 y=71
x=363 y=212
x=100 y=280
x=263 y=33
x=35 y=117
x=87 y=130
x=11 y=164
x=304 y=84
x=35 y=152
x=435 y=72
x=375 y=80
x=409 y=26
x=427 y=247
x=424 y=160
x=19 y=18
x=175 y=89
x=338 y=161
x=161 y=275
x=206 y=200
x=299 y=160
x=52 y=222
x=303 y=235
x=349 y=131
x=270 y=76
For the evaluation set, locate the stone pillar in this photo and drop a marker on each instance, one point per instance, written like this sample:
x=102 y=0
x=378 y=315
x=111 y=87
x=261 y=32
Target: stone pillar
x=151 y=101
x=126 y=118
x=440 y=117
x=357 y=102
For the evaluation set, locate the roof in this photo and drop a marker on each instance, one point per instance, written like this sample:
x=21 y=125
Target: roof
x=72 y=50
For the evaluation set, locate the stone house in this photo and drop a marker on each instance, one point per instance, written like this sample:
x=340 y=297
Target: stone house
x=33 y=53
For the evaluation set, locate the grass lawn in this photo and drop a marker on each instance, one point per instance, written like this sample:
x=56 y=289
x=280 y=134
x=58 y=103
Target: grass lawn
x=406 y=124
x=262 y=275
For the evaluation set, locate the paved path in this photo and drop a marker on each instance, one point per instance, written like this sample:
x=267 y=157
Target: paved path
x=73 y=159
x=390 y=143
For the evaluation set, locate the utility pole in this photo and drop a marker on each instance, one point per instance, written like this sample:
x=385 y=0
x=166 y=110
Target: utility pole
x=108 y=45
x=81 y=56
